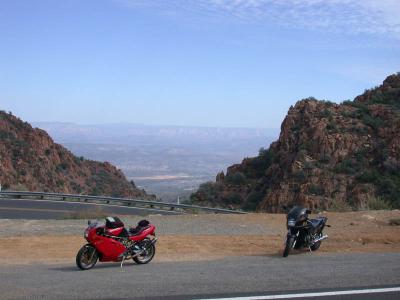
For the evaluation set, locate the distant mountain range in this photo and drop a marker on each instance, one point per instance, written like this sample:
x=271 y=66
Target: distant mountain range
x=170 y=161
x=117 y=132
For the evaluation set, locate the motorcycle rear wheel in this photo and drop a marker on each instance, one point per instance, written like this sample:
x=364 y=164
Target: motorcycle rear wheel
x=315 y=246
x=147 y=255
x=288 y=246
x=87 y=257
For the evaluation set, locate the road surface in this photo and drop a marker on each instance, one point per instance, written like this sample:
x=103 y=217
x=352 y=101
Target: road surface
x=230 y=277
x=44 y=209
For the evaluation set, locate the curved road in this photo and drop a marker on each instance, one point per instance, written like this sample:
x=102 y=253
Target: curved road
x=45 y=209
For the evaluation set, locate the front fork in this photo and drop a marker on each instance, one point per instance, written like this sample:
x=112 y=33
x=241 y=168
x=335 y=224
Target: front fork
x=291 y=234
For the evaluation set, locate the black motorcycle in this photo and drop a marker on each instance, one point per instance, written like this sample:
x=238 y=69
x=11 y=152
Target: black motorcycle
x=302 y=231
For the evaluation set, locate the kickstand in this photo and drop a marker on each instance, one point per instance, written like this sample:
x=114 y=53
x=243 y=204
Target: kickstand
x=309 y=248
x=123 y=259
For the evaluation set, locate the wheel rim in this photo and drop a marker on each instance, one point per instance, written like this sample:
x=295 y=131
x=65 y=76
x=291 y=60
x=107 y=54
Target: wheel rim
x=147 y=254
x=88 y=257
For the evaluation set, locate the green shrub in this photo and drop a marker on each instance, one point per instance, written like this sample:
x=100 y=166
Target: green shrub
x=324 y=158
x=236 y=178
x=19 y=188
x=253 y=200
x=299 y=176
x=316 y=190
x=325 y=113
x=340 y=206
x=332 y=127
x=369 y=176
x=233 y=199
x=378 y=204
x=347 y=166
x=327 y=103
x=262 y=162
x=375 y=123
x=207 y=190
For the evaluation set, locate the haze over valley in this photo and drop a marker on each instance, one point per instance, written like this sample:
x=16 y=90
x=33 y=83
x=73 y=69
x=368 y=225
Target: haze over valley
x=169 y=161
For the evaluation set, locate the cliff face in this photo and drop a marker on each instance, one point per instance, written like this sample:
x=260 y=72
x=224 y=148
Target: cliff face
x=30 y=160
x=337 y=156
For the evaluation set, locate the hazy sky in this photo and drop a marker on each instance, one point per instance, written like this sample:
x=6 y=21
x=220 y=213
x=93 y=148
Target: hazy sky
x=238 y=63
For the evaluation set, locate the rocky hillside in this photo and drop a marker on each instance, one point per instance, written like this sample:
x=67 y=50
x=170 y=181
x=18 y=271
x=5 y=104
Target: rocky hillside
x=328 y=156
x=30 y=160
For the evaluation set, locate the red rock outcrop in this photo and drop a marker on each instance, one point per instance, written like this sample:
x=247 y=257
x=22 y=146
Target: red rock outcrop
x=30 y=160
x=328 y=155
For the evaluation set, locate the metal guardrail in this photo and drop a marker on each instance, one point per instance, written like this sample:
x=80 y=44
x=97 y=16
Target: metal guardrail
x=114 y=201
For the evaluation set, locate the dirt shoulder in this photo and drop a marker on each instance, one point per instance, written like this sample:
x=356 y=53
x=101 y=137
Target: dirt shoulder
x=205 y=237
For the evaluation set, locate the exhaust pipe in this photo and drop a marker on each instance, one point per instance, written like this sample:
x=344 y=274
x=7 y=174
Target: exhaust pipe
x=320 y=239
x=153 y=241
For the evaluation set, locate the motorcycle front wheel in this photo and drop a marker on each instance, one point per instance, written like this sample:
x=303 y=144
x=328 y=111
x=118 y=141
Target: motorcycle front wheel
x=147 y=255
x=288 y=246
x=87 y=257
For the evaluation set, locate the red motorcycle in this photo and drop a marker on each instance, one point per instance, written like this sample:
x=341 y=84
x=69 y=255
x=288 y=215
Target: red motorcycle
x=113 y=242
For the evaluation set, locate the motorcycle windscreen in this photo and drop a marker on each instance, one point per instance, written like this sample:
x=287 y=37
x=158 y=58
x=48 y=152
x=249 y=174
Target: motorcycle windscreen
x=296 y=213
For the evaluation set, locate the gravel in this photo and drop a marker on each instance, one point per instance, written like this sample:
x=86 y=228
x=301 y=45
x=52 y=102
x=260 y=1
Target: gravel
x=167 y=225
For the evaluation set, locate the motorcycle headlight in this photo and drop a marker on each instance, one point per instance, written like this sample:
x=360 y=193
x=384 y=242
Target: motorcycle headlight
x=86 y=234
x=291 y=223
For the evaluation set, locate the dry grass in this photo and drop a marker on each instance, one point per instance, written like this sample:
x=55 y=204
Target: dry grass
x=369 y=231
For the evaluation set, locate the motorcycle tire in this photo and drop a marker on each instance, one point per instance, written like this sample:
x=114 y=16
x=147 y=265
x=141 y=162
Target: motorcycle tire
x=288 y=246
x=315 y=246
x=148 y=255
x=87 y=257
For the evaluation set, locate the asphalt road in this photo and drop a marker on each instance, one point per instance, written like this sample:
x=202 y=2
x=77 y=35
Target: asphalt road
x=44 y=209
x=231 y=277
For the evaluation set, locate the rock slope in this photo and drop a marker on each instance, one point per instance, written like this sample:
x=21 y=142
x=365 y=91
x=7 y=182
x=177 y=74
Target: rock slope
x=30 y=160
x=328 y=156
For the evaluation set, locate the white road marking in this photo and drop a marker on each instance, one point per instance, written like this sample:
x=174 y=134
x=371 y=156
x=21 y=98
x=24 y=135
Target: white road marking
x=309 y=295
x=91 y=203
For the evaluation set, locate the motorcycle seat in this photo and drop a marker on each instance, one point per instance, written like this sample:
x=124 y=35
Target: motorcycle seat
x=137 y=230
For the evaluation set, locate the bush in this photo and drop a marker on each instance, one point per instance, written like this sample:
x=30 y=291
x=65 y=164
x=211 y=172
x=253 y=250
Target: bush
x=328 y=103
x=325 y=113
x=347 y=166
x=340 y=206
x=236 y=178
x=368 y=177
x=207 y=190
x=233 y=199
x=299 y=176
x=378 y=204
x=375 y=123
x=316 y=190
x=331 y=126
x=253 y=200
x=324 y=158
x=262 y=162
